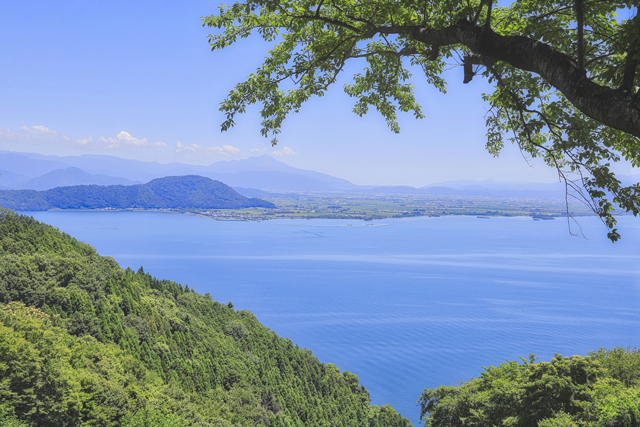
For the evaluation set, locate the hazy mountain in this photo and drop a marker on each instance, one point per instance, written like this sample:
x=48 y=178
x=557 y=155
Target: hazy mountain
x=10 y=180
x=22 y=164
x=274 y=181
x=267 y=174
x=71 y=176
x=553 y=193
x=263 y=173
x=475 y=189
x=133 y=170
x=487 y=188
x=259 y=173
x=173 y=192
x=497 y=185
x=247 y=169
x=490 y=188
x=252 y=192
x=386 y=189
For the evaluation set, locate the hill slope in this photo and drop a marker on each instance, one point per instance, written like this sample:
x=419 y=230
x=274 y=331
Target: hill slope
x=84 y=342
x=173 y=192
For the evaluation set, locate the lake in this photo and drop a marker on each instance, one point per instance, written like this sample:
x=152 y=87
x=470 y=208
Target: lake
x=404 y=304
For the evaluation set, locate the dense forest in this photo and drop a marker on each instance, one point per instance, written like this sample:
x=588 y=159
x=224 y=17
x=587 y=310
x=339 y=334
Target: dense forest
x=84 y=342
x=600 y=390
x=171 y=192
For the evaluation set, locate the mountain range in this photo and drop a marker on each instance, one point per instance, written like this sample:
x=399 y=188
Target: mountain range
x=26 y=171
x=486 y=188
x=251 y=177
x=171 y=192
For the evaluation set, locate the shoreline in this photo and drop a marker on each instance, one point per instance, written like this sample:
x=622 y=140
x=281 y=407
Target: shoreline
x=247 y=217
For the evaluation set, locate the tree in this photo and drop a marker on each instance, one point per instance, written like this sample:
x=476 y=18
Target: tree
x=567 y=391
x=564 y=73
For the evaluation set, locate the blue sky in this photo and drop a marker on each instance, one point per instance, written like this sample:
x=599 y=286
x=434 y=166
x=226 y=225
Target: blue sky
x=136 y=79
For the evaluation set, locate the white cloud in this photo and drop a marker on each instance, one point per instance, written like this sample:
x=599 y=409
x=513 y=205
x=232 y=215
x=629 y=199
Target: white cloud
x=258 y=151
x=41 y=134
x=180 y=147
x=225 y=150
x=39 y=130
x=84 y=141
x=125 y=139
x=7 y=135
x=286 y=151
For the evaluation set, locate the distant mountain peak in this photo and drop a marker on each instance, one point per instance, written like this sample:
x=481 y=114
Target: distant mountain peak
x=263 y=163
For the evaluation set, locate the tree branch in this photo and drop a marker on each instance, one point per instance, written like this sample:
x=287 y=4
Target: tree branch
x=610 y=107
x=553 y=12
x=318 y=17
x=475 y=59
x=487 y=22
x=406 y=51
x=631 y=62
x=580 y=23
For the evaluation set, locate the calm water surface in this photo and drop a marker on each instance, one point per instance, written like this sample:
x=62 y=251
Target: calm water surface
x=405 y=304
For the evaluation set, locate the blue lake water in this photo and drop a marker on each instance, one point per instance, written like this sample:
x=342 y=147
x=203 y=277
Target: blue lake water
x=404 y=304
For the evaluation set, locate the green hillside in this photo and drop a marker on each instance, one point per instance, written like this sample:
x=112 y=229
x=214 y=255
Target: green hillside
x=85 y=343
x=171 y=192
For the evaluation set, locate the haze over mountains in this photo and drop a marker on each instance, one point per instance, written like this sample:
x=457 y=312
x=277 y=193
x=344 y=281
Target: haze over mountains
x=486 y=188
x=252 y=177
x=25 y=171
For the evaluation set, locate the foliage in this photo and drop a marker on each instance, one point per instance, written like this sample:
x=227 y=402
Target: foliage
x=567 y=391
x=564 y=73
x=622 y=364
x=172 y=192
x=84 y=342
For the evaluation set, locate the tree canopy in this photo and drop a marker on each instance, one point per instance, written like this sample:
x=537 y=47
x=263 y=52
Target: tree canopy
x=85 y=343
x=595 y=391
x=564 y=73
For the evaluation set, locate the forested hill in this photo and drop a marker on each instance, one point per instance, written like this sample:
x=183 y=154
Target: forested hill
x=84 y=342
x=172 y=192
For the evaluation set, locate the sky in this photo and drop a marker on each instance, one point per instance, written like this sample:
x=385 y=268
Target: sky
x=136 y=79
